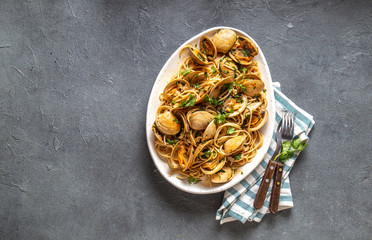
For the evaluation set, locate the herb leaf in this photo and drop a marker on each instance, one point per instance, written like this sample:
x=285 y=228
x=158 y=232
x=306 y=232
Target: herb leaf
x=214 y=70
x=190 y=102
x=244 y=89
x=206 y=154
x=286 y=145
x=238 y=156
x=296 y=142
x=284 y=156
x=185 y=72
x=213 y=101
x=171 y=142
x=193 y=180
x=220 y=118
x=231 y=130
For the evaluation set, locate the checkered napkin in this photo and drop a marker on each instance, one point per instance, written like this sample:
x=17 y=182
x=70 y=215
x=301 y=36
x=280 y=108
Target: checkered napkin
x=238 y=201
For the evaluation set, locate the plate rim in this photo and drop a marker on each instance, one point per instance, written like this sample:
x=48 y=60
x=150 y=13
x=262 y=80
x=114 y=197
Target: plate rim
x=156 y=159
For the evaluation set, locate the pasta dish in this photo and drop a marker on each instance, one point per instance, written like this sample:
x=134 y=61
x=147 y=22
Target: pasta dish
x=212 y=109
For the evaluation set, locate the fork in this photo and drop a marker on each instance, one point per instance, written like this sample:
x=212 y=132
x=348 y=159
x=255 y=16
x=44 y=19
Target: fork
x=283 y=131
x=286 y=130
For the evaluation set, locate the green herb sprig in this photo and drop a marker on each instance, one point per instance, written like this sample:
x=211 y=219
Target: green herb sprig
x=189 y=103
x=289 y=147
x=220 y=118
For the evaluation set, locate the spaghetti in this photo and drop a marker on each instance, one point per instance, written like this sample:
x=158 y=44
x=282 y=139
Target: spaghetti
x=212 y=109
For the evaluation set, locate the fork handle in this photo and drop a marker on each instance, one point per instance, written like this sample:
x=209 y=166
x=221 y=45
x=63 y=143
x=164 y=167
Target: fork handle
x=262 y=191
x=275 y=193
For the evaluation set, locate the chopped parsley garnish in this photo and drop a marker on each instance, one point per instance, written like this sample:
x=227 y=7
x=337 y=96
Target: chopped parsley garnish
x=257 y=96
x=246 y=52
x=171 y=141
x=206 y=154
x=238 y=156
x=226 y=71
x=213 y=101
x=201 y=57
x=244 y=89
x=220 y=118
x=185 y=72
x=231 y=130
x=244 y=71
x=176 y=121
x=226 y=86
x=193 y=180
x=189 y=103
x=173 y=102
x=264 y=90
x=214 y=70
x=206 y=74
x=196 y=85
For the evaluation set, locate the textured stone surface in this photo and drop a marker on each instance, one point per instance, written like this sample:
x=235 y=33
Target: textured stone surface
x=75 y=77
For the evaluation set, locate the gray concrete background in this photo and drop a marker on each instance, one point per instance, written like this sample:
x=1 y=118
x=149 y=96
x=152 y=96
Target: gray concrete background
x=75 y=77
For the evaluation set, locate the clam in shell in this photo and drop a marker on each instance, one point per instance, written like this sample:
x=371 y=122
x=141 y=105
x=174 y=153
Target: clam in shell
x=243 y=51
x=207 y=47
x=209 y=131
x=199 y=120
x=167 y=123
x=195 y=54
x=224 y=39
x=233 y=107
x=224 y=175
x=253 y=87
x=234 y=144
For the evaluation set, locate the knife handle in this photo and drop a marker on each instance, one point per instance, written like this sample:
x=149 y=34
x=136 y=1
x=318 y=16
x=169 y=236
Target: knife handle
x=262 y=191
x=275 y=193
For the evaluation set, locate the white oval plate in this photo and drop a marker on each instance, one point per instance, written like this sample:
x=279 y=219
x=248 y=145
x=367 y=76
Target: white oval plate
x=164 y=76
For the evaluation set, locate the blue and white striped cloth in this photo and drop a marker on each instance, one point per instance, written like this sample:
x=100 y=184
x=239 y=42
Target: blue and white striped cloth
x=238 y=201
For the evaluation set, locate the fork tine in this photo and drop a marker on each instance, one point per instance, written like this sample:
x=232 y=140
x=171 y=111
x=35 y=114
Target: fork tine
x=288 y=123
x=291 y=125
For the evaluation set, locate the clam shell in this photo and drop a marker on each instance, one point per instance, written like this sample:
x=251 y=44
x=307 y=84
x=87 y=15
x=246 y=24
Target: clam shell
x=228 y=67
x=195 y=54
x=242 y=107
x=243 y=51
x=199 y=120
x=167 y=123
x=253 y=87
x=196 y=77
x=224 y=39
x=215 y=91
x=209 y=131
x=207 y=47
x=233 y=144
x=222 y=176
